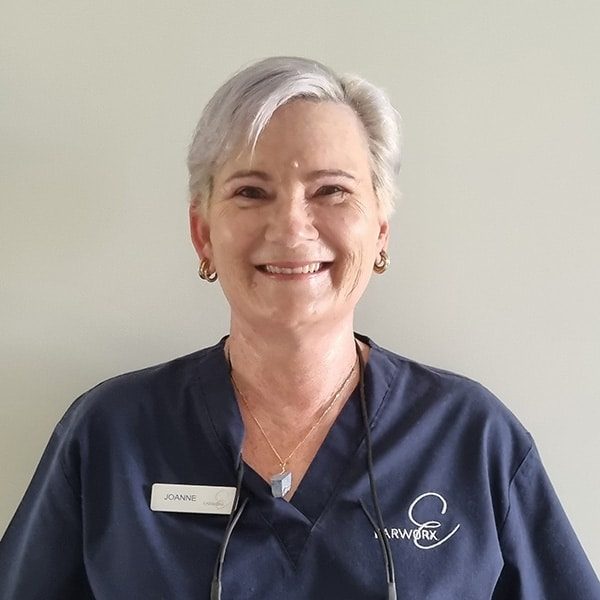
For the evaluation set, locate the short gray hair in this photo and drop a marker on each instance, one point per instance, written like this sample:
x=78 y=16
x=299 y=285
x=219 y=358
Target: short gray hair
x=243 y=105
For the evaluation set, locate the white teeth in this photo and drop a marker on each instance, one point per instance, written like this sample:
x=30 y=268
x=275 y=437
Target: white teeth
x=310 y=268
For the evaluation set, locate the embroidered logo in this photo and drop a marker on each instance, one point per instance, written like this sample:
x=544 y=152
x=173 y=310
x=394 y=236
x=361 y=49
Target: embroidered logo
x=425 y=534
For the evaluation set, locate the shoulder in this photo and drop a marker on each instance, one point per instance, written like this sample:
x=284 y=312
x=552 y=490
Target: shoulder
x=446 y=386
x=455 y=408
x=125 y=396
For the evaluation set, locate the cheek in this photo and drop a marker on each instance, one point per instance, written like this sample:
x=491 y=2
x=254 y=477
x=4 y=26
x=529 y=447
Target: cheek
x=357 y=238
x=356 y=270
x=357 y=257
x=352 y=270
x=231 y=244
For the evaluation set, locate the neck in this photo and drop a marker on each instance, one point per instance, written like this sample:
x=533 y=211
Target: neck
x=288 y=377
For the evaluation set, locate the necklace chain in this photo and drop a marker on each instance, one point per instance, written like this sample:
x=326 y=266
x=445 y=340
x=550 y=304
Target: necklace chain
x=283 y=462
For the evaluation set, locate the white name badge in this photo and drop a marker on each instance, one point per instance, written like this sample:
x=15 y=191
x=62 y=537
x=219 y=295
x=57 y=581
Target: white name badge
x=207 y=499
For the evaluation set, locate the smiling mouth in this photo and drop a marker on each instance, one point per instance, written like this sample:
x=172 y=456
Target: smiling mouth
x=306 y=269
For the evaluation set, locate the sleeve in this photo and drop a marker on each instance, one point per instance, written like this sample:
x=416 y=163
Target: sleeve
x=542 y=555
x=41 y=555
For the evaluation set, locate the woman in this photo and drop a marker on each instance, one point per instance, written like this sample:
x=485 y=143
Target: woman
x=294 y=459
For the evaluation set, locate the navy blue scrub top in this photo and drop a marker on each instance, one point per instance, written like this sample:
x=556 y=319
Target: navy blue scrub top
x=469 y=510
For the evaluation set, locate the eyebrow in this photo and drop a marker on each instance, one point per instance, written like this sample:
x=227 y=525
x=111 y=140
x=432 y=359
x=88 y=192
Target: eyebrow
x=337 y=172
x=248 y=173
x=311 y=176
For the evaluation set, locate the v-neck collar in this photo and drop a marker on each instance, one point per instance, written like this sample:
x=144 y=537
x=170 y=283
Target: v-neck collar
x=293 y=521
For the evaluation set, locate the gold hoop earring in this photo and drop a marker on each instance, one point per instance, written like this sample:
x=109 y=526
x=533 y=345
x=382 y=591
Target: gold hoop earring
x=204 y=271
x=382 y=263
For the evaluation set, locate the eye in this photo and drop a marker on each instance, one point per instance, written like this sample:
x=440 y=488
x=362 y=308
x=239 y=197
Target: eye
x=333 y=193
x=328 y=190
x=250 y=192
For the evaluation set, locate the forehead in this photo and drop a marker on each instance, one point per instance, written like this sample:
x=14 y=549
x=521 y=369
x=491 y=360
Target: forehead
x=304 y=134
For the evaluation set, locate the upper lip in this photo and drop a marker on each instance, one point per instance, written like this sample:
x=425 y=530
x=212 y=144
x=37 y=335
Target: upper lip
x=291 y=264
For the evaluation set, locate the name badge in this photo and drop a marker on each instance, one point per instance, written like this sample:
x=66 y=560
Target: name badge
x=207 y=499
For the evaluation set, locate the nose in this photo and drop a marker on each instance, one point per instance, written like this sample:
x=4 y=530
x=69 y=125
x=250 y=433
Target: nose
x=291 y=221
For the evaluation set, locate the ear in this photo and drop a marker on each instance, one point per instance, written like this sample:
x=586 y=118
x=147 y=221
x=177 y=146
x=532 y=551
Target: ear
x=384 y=234
x=200 y=232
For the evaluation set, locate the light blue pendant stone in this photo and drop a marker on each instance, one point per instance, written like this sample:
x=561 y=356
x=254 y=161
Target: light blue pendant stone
x=281 y=484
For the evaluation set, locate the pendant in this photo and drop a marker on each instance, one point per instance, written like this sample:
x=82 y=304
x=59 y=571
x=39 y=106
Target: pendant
x=281 y=484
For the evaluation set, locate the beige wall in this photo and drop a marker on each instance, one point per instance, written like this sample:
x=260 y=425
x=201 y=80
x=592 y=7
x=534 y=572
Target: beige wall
x=496 y=244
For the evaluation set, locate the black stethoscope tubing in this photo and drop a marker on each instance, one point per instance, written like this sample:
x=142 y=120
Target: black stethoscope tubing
x=378 y=523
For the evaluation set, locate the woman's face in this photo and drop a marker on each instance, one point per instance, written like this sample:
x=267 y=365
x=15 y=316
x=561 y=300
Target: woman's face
x=293 y=234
